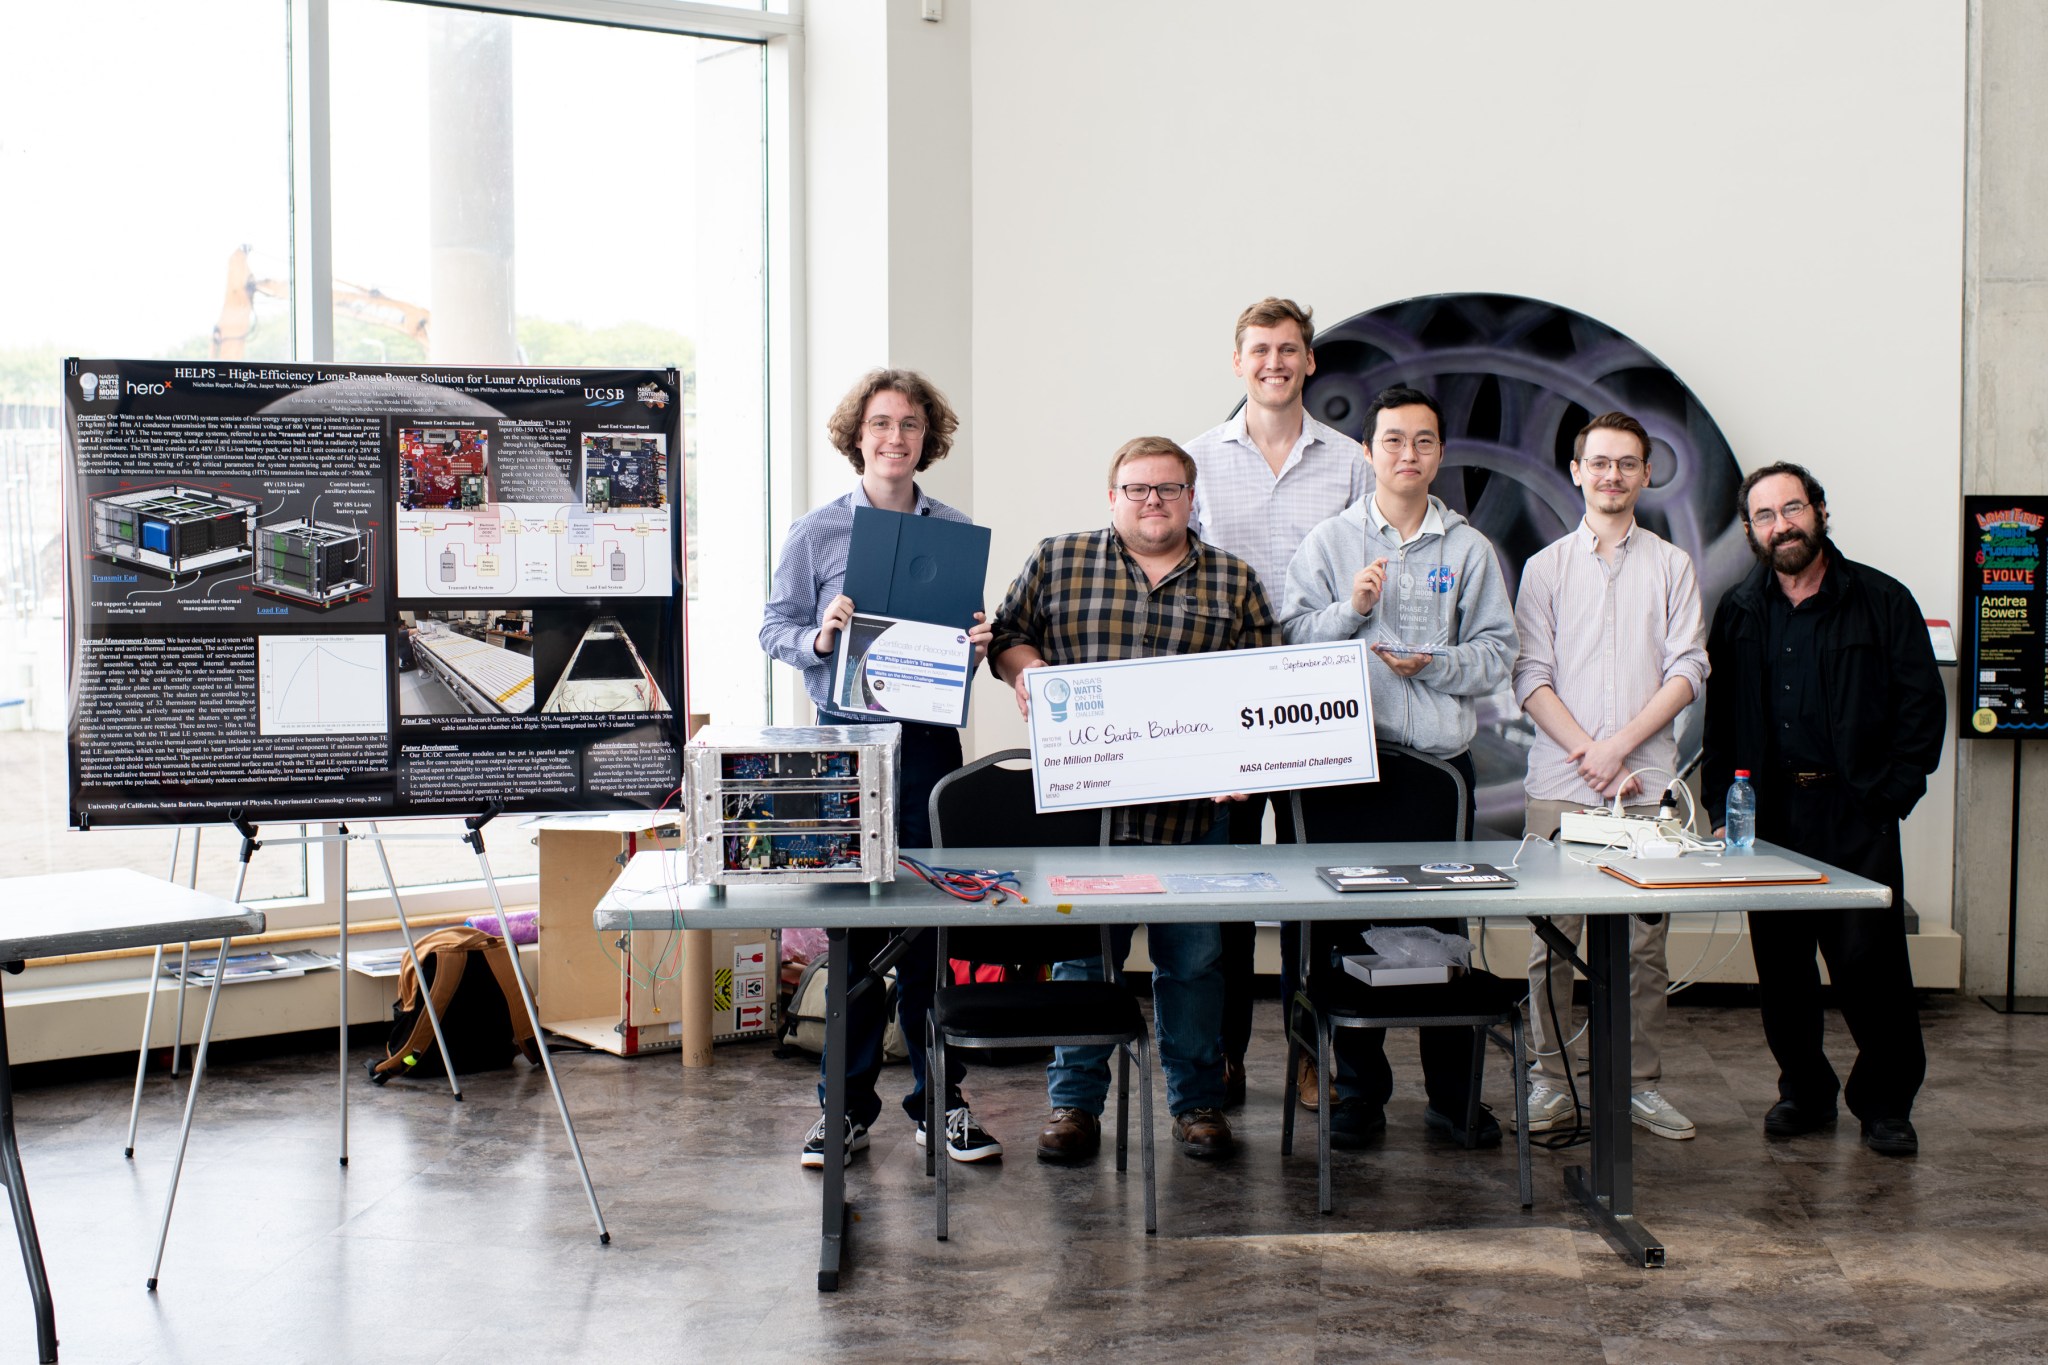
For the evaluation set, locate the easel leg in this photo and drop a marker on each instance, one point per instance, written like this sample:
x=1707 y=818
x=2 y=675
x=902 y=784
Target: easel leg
x=341 y=1047
x=184 y=967
x=412 y=955
x=156 y=973
x=475 y=840
x=220 y=969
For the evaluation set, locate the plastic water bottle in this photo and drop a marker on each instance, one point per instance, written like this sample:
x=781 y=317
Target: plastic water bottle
x=1741 y=813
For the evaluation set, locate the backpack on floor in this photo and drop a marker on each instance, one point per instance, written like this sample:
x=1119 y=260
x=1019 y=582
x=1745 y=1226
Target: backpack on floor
x=469 y=977
x=803 y=1023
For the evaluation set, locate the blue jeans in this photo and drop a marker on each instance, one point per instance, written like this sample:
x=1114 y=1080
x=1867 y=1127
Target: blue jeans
x=1187 y=1011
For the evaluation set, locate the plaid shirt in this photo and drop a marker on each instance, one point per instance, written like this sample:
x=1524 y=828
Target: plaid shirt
x=1083 y=599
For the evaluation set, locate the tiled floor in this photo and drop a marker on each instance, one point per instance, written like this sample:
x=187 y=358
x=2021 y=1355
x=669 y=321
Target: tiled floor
x=460 y=1233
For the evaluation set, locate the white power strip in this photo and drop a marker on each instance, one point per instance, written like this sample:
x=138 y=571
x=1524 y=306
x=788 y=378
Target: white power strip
x=1605 y=828
x=1640 y=835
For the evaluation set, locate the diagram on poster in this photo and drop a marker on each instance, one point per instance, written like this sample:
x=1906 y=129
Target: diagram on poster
x=320 y=685
x=533 y=550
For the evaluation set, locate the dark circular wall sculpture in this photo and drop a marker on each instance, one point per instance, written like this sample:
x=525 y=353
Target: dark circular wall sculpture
x=1517 y=378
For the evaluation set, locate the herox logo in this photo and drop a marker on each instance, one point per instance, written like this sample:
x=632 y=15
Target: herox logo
x=147 y=386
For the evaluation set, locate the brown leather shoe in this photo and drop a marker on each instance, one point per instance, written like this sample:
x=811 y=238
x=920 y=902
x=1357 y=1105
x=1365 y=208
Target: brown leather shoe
x=1306 y=1091
x=1203 y=1133
x=1233 y=1082
x=1072 y=1135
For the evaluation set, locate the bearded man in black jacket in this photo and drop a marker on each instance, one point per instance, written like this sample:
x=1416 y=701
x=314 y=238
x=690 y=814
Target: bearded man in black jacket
x=1825 y=688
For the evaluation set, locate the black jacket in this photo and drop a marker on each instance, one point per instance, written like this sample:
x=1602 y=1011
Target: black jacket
x=1887 y=709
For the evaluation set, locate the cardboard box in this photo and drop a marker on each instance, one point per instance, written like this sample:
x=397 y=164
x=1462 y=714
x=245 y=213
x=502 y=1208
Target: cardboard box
x=622 y=992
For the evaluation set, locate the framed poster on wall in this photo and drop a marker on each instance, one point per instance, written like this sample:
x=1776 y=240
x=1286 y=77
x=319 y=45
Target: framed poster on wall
x=2004 y=651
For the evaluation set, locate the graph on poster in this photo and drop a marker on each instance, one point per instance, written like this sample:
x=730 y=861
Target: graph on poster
x=321 y=684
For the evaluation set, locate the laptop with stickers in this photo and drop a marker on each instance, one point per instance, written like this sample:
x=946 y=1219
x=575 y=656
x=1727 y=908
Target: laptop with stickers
x=1445 y=876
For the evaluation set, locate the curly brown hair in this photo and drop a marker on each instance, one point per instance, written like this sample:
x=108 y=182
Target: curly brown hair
x=940 y=421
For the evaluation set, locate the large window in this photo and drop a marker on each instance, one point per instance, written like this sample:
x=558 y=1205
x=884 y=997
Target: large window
x=482 y=187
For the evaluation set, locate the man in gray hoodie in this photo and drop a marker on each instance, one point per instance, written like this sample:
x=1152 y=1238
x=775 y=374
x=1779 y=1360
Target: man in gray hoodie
x=1413 y=579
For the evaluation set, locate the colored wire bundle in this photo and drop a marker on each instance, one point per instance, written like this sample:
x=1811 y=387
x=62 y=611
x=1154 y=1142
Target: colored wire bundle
x=969 y=884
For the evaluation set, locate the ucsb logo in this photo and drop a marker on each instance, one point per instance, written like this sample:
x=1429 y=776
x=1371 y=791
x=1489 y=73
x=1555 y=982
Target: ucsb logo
x=605 y=398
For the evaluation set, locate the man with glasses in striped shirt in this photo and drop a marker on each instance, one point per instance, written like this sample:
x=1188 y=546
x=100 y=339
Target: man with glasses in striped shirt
x=1613 y=648
x=1269 y=476
x=1139 y=588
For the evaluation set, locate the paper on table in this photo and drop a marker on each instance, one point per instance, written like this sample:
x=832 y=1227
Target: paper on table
x=1131 y=884
x=1200 y=883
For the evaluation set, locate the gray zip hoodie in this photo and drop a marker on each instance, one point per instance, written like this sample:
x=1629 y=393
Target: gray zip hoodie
x=1443 y=589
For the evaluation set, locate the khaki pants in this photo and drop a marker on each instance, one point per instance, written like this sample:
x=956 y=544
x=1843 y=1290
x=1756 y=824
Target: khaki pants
x=1550 y=977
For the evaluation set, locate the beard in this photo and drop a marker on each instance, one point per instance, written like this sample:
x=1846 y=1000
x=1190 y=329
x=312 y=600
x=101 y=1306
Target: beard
x=1788 y=552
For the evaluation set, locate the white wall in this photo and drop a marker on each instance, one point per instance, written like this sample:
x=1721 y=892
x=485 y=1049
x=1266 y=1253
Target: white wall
x=1767 y=196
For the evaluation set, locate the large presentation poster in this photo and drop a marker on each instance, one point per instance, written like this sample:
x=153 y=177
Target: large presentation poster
x=2005 y=628
x=319 y=592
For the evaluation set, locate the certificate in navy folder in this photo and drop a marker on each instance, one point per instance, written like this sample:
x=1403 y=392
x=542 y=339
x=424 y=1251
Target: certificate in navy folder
x=916 y=568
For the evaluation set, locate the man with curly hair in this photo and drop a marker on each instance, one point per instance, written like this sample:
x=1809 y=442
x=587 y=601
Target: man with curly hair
x=890 y=427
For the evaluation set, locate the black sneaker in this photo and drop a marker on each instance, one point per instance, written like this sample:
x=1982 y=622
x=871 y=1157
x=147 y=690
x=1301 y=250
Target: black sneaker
x=966 y=1139
x=814 y=1142
x=1357 y=1123
x=1485 y=1133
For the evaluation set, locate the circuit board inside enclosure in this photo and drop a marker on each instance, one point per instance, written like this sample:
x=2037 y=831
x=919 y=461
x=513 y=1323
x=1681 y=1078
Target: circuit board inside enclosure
x=783 y=805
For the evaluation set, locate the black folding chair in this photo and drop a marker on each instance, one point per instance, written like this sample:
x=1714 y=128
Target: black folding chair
x=1417 y=797
x=987 y=805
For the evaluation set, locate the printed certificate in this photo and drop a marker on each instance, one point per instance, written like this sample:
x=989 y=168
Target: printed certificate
x=903 y=670
x=1190 y=725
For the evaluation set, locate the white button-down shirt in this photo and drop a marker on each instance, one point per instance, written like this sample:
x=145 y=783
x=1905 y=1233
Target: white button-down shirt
x=1605 y=637
x=1242 y=506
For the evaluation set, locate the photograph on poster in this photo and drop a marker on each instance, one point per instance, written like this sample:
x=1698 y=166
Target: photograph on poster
x=445 y=467
x=454 y=663
x=623 y=470
x=596 y=659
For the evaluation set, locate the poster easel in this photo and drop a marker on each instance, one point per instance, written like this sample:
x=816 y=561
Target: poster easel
x=473 y=837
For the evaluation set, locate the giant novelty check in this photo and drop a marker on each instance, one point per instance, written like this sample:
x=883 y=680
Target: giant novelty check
x=1189 y=725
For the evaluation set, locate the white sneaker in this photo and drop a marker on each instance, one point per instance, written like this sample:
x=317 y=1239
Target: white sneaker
x=1549 y=1108
x=814 y=1142
x=1648 y=1109
x=966 y=1139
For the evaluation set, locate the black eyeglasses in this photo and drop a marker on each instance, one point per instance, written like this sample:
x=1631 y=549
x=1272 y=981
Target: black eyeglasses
x=1139 y=492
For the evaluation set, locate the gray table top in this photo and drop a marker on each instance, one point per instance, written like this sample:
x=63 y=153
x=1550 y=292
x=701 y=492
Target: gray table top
x=650 y=894
x=90 y=912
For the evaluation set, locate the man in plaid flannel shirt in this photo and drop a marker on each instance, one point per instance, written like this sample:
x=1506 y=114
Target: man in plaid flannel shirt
x=1139 y=588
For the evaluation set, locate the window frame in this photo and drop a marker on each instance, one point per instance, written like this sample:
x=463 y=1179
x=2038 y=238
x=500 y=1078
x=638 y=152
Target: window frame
x=778 y=29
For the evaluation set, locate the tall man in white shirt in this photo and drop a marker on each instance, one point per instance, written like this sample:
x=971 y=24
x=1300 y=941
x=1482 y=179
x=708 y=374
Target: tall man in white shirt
x=1613 y=648
x=1269 y=476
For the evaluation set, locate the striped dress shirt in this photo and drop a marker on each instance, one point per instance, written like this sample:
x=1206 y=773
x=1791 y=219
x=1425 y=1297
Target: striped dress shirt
x=1262 y=517
x=1082 y=598
x=1605 y=637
